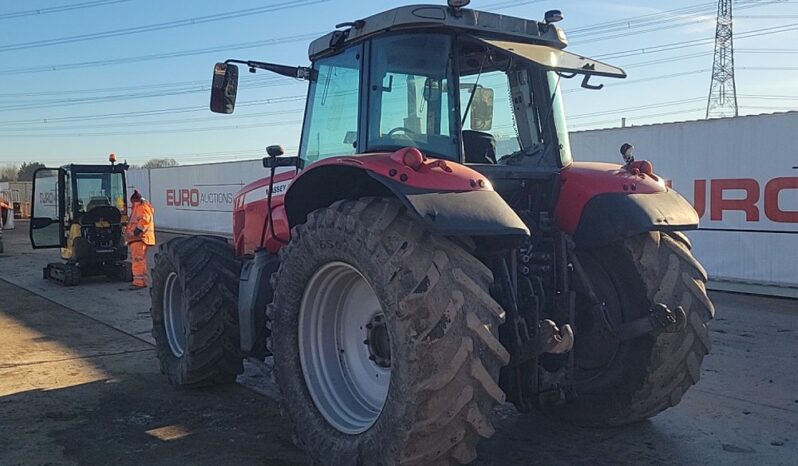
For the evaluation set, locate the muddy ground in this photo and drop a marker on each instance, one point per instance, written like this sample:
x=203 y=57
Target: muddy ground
x=79 y=384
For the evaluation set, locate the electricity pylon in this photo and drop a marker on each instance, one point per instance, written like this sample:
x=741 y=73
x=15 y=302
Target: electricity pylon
x=722 y=100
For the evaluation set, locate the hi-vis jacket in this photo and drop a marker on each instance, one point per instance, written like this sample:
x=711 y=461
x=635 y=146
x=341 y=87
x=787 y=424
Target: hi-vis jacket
x=142 y=217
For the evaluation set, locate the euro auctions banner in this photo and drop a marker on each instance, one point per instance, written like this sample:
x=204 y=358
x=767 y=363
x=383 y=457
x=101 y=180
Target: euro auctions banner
x=199 y=198
x=737 y=172
x=739 y=175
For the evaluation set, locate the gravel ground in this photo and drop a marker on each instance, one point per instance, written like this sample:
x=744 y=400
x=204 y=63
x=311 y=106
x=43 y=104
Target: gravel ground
x=79 y=384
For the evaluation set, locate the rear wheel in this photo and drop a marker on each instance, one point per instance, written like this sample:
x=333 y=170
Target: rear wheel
x=384 y=339
x=194 y=311
x=622 y=382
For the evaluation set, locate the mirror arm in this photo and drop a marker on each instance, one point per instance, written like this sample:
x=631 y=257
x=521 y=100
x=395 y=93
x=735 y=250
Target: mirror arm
x=587 y=85
x=297 y=72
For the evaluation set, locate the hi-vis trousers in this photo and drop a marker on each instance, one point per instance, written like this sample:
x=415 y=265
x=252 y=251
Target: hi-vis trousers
x=138 y=256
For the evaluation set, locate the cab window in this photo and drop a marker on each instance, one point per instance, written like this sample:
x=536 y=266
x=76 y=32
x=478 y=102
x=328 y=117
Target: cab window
x=331 y=120
x=411 y=96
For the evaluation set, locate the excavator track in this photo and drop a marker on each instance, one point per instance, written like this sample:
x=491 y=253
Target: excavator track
x=64 y=273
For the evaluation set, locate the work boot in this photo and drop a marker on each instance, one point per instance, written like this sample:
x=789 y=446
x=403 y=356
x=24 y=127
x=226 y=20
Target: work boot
x=134 y=288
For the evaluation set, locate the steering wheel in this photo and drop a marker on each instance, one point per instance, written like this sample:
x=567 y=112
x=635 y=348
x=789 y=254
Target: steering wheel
x=407 y=131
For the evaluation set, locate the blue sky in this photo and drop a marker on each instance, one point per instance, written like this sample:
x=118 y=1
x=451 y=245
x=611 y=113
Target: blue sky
x=66 y=103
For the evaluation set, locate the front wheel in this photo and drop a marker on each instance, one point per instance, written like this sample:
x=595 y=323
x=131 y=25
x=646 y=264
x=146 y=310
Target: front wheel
x=194 y=311
x=619 y=383
x=384 y=339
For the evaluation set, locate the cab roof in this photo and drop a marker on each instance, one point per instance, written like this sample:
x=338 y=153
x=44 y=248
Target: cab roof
x=96 y=168
x=444 y=18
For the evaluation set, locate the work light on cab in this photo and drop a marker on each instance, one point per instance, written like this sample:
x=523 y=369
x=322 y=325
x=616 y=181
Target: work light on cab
x=458 y=3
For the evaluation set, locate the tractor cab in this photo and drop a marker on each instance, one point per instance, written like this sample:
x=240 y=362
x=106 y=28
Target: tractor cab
x=457 y=84
x=81 y=209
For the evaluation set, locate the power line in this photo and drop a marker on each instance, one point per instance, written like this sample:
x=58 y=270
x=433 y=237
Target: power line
x=222 y=48
x=771 y=109
x=162 y=56
x=131 y=96
x=634 y=109
x=774 y=51
x=629 y=24
x=203 y=108
x=243 y=81
x=286 y=5
x=659 y=61
x=642 y=80
x=602 y=27
x=56 y=127
x=768 y=68
x=695 y=42
x=651 y=17
x=768 y=97
x=641 y=117
x=766 y=16
x=508 y=4
x=166 y=131
x=294 y=98
x=58 y=9
x=146 y=113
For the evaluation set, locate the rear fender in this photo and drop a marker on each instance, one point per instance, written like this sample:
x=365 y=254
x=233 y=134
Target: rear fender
x=450 y=198
x=600 y=203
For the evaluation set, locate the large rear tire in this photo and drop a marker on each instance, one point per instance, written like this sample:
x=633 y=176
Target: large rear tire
x=194 y=311
x=620 y=383
x=384 y=339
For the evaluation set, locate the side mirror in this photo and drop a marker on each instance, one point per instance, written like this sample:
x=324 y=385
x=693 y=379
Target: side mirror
x=482 y=109
x=224 y=88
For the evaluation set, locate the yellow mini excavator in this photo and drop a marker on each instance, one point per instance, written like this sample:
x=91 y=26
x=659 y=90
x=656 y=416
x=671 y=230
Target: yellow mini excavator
x=82 y=209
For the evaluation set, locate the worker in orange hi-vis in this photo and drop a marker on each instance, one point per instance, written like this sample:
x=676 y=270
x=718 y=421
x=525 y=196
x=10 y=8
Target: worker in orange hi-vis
x=5 y=209
x=140 y=236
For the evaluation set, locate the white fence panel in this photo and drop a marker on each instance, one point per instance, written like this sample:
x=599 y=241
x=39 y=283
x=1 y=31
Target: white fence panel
x=738 y=174
x=138 y=179
x=199 y=198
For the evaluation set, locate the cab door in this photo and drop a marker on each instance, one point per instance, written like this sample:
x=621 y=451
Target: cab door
x=48 y=209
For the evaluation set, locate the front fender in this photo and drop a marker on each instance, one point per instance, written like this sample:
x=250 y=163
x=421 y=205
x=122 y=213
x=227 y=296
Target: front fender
x=612 y=216
x=600 y=203
x=450 y=198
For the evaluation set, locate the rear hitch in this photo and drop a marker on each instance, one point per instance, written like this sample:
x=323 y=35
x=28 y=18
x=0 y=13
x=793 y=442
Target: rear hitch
x=553 y=340
x=660 y=319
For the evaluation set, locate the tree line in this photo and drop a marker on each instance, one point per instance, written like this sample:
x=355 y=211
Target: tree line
x=24 y=172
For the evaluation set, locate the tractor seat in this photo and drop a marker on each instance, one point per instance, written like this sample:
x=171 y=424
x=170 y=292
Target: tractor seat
x=479 y=147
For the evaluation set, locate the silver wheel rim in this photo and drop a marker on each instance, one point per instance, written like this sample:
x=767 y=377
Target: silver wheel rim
x=347 y=375
x=174 y=315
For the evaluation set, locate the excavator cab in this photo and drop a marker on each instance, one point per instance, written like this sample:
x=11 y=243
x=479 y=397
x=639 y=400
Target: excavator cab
x=82 y=210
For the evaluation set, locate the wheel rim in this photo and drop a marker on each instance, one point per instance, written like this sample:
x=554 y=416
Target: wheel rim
x=344 y=348
x=174 y=315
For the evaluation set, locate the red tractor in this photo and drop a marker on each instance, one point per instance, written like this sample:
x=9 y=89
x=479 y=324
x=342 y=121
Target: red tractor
x=433 y=250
